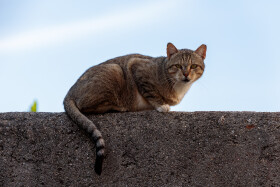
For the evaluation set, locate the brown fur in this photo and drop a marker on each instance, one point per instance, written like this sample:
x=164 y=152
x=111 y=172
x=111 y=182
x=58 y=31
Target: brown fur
x=133 y=83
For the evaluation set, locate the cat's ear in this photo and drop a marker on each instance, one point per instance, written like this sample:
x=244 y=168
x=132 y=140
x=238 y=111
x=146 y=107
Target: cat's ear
x=201 y=51
x=170 y=50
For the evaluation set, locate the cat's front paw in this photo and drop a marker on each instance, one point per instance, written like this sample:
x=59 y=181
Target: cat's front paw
x=163 y=108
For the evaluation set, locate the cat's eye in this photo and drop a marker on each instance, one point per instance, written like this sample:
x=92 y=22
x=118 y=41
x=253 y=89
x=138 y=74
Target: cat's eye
x=178 y=66
x=193 y=66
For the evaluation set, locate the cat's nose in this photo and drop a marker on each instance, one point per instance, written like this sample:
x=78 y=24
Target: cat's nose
x=186 y=74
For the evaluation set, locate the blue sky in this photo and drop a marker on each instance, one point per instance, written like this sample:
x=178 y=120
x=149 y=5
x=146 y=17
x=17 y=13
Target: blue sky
x=46 y=45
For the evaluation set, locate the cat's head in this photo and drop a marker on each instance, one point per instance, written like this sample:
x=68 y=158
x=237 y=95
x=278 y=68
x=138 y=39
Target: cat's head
x=185 y=65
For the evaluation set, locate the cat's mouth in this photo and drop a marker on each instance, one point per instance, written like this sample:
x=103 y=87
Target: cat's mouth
x=186 y=79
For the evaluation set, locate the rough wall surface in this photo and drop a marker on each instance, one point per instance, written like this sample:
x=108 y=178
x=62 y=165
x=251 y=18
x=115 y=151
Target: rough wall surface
x=143 y=149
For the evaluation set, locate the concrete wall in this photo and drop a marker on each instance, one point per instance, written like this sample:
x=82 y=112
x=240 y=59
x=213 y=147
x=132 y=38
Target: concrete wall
x=144 y=149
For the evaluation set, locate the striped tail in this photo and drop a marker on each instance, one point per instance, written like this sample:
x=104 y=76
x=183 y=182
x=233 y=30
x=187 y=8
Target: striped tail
x=83 y=122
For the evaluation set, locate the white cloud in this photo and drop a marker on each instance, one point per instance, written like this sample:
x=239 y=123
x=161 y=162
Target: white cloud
x=129 y=17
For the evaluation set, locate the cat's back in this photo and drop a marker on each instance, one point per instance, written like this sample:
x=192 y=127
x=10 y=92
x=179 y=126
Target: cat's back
x=123 y=60
x=117 y=63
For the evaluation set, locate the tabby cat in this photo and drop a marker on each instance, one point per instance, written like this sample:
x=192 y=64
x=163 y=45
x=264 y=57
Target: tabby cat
x=132 y=83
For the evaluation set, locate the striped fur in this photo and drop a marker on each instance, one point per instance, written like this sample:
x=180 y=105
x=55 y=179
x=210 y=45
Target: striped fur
x=132 y=83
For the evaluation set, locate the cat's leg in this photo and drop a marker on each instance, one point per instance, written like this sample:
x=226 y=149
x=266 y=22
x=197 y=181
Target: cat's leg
x=104 y=91
x=163 y=108
x=155 y=99
x=159 y=106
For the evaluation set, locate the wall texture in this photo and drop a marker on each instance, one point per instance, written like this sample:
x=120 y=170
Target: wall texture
x=143 y=149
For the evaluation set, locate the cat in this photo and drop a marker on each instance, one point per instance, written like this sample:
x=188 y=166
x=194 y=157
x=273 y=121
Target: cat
x=132 y=83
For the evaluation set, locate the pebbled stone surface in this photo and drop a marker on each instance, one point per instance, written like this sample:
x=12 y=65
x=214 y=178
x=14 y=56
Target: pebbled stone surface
x=143 y=149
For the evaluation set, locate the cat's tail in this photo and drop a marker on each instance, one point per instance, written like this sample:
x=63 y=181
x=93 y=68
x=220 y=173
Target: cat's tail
x=75 y=114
